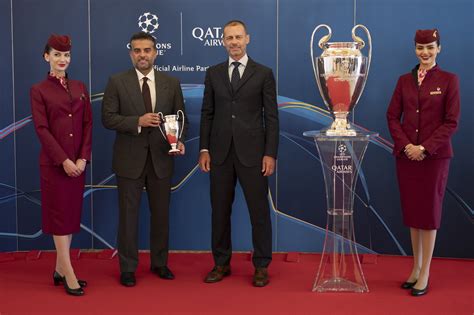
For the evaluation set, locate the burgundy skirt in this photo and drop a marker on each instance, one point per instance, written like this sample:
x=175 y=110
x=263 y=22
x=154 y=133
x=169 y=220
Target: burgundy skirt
x=61 y=200
x=422 y=186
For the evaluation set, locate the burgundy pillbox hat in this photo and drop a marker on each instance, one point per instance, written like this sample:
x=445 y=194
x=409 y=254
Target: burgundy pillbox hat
x=426 y=36
x=60 y=42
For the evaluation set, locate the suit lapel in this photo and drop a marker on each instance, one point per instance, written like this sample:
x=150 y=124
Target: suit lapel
x=133 y=88
x=161 y=89
x=224 y=71
x=248 y=72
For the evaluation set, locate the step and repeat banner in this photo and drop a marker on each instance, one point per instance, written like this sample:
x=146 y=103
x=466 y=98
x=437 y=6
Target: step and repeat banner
x=188 y=37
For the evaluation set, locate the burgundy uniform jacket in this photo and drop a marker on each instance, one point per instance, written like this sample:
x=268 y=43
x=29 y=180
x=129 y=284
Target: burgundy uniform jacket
x=427 y=115
x=63 y=121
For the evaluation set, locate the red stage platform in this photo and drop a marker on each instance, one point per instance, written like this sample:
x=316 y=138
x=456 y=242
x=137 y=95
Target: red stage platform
x=26 y=287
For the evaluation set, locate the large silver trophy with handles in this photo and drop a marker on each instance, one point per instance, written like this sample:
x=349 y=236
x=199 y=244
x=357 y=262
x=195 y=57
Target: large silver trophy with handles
x=172 y=128
x=341 y=73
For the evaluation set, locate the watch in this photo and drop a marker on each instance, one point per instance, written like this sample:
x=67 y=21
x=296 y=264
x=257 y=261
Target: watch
x=422 y=148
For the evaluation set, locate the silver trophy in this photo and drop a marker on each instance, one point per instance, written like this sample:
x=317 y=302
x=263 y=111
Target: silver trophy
x=341 y=73
x=173 y=129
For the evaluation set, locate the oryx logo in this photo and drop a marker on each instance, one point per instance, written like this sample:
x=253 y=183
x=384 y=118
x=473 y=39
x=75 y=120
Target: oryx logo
x=148 y=22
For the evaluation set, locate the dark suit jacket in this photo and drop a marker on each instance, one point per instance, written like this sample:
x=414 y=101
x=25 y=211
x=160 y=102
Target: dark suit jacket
x=426 y=115
x=121 y=108
x=248 y=117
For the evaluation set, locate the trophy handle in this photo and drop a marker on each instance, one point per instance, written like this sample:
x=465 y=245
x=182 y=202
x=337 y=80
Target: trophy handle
x=361 y=41
x=321 y=43
x=182 y=127
x=162 y=122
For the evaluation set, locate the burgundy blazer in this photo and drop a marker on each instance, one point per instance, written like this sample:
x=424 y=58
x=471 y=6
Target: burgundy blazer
x=427 y=115
x=63 y=121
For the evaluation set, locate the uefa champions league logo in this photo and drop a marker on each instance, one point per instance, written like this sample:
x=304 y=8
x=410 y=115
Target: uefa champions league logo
x=342 y=162
x=148 y=22
x=342 y=149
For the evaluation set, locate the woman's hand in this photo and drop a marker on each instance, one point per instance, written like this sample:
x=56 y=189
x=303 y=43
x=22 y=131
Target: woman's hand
x=71 y=169
x=414 y=152
x=81 y=165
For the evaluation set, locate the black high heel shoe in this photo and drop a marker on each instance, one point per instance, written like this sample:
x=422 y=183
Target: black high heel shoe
x=76 y=292
x=408 y=285
x=419 y=292
x=58 y=279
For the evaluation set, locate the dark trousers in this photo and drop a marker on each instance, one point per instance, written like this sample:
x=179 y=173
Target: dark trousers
x=130 y=192
x=255 y=187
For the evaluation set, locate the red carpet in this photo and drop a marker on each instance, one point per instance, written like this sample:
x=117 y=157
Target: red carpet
x=26 y=288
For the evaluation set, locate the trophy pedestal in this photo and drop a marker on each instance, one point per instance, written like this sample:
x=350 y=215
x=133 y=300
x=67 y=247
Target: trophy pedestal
x=341 y=158
x=340 y=126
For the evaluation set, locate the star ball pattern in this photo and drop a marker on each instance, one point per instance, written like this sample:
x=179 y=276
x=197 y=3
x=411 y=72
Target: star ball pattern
x=148 y=22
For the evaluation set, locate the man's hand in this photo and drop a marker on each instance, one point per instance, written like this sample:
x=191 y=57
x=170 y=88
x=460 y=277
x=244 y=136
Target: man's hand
x=149 y=120
x=205 y=161
x=181 y=148
x=268 y=165
x=71 y=169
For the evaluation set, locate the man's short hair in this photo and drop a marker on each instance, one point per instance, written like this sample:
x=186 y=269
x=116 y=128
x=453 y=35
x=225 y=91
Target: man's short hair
x=235 y=23
x=142 y=35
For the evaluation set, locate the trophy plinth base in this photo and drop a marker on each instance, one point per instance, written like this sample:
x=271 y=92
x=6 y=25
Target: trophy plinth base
x=340 y=127
x=173 y=151
x=337 y=284
x=341 y=132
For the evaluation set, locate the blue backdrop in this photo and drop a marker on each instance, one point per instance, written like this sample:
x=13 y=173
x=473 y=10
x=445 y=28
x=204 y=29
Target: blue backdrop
x=188 y=35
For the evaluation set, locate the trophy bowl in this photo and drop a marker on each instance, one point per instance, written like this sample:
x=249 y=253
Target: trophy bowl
x=171 y=128
x=341 y=73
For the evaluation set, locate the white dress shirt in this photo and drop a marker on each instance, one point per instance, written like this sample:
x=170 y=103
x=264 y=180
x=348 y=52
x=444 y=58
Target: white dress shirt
x=243 y=63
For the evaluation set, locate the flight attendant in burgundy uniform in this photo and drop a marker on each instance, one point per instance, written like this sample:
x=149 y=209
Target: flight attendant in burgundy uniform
x=62 y=116
x=422 y=117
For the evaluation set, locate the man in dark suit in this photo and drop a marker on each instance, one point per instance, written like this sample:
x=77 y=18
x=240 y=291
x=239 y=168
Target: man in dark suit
x=131 y=102
x=239 y=140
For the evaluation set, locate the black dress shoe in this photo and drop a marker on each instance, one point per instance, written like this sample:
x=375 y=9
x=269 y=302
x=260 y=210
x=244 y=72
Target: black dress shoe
x=408 y=285
x=163 y=272
x=58 y=279
x=260 y=278
x=75 y=292
x=217 y=274
x=419 y=292
x=128 y=279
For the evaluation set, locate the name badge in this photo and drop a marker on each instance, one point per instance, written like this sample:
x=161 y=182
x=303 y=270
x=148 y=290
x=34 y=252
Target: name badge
x=437 y=92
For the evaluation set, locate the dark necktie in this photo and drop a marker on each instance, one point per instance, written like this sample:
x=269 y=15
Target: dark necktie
x=234 y=81
x=146 y=96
